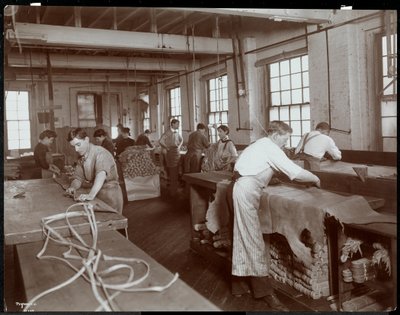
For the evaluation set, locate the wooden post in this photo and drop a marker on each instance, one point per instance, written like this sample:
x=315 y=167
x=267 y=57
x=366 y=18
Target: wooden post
x=50 y=87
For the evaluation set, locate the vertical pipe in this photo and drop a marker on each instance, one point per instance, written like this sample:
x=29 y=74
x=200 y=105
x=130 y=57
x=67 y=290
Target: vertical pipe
x=50 y=87
x=328 y=76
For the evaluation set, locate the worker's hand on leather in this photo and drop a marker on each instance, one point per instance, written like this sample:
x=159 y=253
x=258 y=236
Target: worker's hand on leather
x=54 y=169
x=317 y=184
x=85 y=197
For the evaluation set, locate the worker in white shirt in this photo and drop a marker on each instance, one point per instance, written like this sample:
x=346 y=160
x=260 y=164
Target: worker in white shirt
x=253 y=171
x=313 y=146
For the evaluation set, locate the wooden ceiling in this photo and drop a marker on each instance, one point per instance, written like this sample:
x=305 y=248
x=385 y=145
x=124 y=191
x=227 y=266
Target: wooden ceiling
x=27 y=25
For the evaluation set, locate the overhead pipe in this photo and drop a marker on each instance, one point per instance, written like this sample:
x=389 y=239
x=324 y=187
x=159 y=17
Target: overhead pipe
x=311 y=33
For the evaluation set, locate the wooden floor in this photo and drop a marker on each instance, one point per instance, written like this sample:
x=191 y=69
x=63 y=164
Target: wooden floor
x=161 y=228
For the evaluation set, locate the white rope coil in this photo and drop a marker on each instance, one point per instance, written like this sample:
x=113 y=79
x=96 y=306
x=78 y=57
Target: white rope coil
x=90 y=262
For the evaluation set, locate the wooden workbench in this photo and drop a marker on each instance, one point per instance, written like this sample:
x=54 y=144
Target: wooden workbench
x=203 y=184
x=339 y=176
x=40 y=275
x=41 y=198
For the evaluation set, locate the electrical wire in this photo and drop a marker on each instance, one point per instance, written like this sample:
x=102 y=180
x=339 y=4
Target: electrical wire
x=90 y=257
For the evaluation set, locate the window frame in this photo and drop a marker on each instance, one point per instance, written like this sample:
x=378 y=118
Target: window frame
x=170 y=114
x=213 y=134
x=304 y=107
x=29 y=120
x=382 y=97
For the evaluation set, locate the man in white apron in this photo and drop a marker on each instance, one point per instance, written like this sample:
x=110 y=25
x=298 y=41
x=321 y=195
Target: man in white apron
x=254 y=169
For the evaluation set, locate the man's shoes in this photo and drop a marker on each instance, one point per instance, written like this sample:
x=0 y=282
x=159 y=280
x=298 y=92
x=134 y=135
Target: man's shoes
x=274 y=303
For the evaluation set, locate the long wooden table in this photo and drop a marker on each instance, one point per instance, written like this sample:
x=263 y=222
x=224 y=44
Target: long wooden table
x=339 y=176
x=40 y=275
x=26 y=202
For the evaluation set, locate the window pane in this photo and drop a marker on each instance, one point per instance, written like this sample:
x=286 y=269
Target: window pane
x=384 y=66
x=295 y=112
x=305 y=124
x=13 y=144
x=24 y=144
x=11 y=98
x=295 y=141
x=12 y=126
x=225 y=81
x=11 y=115
x=213 y=107
x=284 y=113
x=304 y=63
x=275 y=86
x=284 y=67
x=274 y=113
x=296 y=126
x=305 y=79
x=390 y=144
x=211 y=119
x=296 y=96
x=25 y=134
x=274 y=69
x=384 y=51
x=23 y=107
x=389 y=108
x=212 y=95
x=306 y=96
x=389 y=89
x=286 y=98
x=12 y=134
x=285 y=82
x=224 y=94
x=224 y=117
x=305 y=112
x=225 y=105
x=389 y=126
x=295 y=65
x=275 y=98
x=296 y=80
x=24 y=125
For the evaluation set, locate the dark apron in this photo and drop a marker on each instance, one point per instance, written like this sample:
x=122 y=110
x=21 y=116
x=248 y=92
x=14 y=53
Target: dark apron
x=111 y=194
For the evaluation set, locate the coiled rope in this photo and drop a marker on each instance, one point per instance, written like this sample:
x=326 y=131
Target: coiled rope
x=90 y=270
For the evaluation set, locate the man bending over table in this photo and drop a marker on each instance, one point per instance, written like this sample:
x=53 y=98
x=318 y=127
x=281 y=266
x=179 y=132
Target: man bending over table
x=253 y=171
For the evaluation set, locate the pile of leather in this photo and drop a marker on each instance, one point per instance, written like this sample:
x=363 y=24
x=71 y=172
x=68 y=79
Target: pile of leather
x=312 y=280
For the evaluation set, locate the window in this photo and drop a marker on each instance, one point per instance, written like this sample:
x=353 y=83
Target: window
x=175 y=108
x=389 y=93
x=217 y=91
x=114 y=132
x=146 y=118
x=290 y=96
x=86 y=109
x=17 y=118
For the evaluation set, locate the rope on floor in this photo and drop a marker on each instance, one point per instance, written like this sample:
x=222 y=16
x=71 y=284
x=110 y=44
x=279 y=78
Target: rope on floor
x=90 y=258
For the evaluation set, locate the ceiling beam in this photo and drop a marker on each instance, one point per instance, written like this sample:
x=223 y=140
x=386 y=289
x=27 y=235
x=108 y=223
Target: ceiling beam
x=292 y=15
x=82 y=77
x=95 y=62
x=66 y=36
